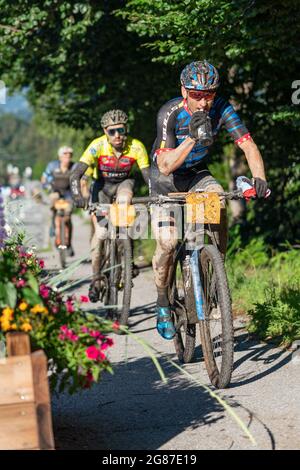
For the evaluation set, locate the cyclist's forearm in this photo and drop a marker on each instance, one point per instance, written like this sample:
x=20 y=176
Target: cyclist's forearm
x=146 y=175
x=254 y=159
x=76 y=175
x=169 y=161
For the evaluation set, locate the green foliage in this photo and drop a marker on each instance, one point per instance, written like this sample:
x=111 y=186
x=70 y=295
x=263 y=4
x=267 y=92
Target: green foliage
x=265 y=285
x=22 y=144
x=278 y=317
x=254 y=45
x=81 y=58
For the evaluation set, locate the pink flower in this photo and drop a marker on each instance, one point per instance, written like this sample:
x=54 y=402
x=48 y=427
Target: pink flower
x=95 y=334
x=89 y=379
x=104 y=346
x=55 y=309
x=68 y=334
x=102 y=356
x=41 y=263
x=70 y=307
x=92 y=352
x=116 y=325
x=85 y=329
x=61 y=337
x=44 y=291
x=73 y=337
x=21 y=283
x=110 y=342
x=84 y=298
x=23 y=271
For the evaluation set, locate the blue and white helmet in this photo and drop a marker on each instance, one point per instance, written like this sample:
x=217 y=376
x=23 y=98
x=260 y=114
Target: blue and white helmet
x=200 y=76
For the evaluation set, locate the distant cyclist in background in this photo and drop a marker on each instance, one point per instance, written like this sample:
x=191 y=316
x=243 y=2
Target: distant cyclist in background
x=57 y=176
x=109 y=159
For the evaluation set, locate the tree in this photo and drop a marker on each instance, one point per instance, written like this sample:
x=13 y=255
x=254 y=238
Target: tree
x=81 y=58
x=255 y=45
x=78 y=61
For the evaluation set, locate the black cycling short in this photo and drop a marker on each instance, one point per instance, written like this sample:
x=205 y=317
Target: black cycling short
x=103 y=191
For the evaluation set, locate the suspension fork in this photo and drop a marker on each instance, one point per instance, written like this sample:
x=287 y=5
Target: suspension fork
x=197 y=286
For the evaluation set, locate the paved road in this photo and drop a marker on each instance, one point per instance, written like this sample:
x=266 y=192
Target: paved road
x=134 y=410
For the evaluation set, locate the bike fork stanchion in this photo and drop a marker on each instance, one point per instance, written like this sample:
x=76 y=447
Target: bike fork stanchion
x=198 y=292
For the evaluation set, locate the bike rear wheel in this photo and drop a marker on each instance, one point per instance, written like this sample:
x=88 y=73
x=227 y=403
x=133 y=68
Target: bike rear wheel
x=216 y=330
x=120 y=280
x=185 y=338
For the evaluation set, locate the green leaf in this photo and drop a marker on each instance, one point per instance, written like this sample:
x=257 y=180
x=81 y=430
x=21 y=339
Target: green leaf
x=2 y=294
x=11 y=295
x=30 y=296
x=33 y=283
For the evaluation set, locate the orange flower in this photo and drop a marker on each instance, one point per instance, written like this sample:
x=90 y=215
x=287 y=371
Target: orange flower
x=39 y=309
x=26 y=327
x=5 y=325
x=7 y=313
x=23 y=306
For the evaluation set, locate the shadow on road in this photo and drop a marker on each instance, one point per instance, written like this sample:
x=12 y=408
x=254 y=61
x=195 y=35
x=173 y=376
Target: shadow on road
x=253 y=350
x=132 y=410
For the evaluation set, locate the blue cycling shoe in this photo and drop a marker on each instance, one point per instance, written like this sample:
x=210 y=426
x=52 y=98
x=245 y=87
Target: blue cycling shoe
x=164 y=323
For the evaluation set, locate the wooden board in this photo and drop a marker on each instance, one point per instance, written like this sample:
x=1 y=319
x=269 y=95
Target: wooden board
x=25 y=410
x=18 y=427
x=16 y=380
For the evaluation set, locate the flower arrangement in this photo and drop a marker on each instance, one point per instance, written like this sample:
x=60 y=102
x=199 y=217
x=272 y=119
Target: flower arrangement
x=75 y=342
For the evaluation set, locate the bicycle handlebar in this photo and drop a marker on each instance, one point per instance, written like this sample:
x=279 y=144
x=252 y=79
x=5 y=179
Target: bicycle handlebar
x=181 y=197
x=173 y=198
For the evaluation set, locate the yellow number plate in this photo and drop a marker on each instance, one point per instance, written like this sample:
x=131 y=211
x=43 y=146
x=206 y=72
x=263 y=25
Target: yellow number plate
x=122 y=215
x=203 y=208
x=62 y=204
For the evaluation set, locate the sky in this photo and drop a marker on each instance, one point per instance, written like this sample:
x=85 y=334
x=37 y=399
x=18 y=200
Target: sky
x=16 y=104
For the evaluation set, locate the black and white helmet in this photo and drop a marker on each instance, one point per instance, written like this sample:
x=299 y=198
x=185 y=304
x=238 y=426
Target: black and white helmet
x=112 y=117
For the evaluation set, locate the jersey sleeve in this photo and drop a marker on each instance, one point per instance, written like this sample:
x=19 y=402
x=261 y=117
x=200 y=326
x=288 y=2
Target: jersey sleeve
x=234 y=124
x=165 y=138
x=142 y=156
x=48 y=173
x=90 y=154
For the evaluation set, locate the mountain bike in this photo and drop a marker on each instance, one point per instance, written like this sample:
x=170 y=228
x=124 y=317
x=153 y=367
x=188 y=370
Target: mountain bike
x=198 y=290
x=115 y=272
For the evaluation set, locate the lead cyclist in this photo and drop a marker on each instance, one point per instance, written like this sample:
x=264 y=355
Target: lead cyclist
x=186 y=129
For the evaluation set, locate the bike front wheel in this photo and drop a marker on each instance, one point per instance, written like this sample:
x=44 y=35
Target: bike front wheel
x=216 y=330
x=62 y=248
x=121 y=279
x=179 y=292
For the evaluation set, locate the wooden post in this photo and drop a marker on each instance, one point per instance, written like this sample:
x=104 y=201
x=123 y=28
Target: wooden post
x=42 y=400
x=18 y=344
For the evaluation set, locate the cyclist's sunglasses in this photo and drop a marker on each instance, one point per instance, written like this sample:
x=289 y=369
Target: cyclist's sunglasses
x=198 y=95
x=120 y=130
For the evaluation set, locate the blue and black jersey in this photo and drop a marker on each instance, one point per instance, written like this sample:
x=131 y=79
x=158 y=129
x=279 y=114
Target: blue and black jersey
x=173 y=127
x=60 y=181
